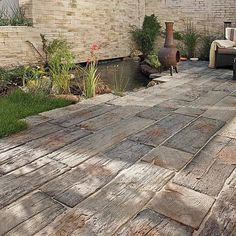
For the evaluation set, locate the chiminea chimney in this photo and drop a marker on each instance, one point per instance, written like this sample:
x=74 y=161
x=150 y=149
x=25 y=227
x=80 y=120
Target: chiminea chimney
x=169 y=55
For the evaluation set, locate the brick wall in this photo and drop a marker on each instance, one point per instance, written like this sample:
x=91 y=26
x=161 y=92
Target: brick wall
x=83 y=22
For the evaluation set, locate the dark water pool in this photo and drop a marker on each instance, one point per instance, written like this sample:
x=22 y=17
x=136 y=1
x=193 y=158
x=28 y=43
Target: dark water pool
x=122 y=73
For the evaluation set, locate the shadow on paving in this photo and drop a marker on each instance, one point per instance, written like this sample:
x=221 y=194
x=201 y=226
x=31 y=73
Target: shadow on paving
x=91 y=170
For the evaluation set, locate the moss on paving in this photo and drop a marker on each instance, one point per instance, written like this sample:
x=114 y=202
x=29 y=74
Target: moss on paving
x=19 y=105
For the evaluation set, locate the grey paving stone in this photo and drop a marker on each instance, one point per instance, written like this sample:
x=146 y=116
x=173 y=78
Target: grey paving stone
x=28 y=178
x=192 y=138
x=73 y=187
x=228 y=153
x=229 y=130
x=173 y=104
x=27 y=153
x=224 y=110
x=106 y=211
x=149 y=222
x=81 y=150
x=190 y=111
x=168 y=158
x=222 y=219
x=209 y=99
x=104 y=120
x=83 y=115
x=27 y=136
x=155 y=113
x=36 y=120
x=207 y=172
x=29 y=215
x=182 y=204
x=159 y=132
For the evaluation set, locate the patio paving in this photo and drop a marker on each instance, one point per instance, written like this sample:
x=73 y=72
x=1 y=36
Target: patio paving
x=159 y=161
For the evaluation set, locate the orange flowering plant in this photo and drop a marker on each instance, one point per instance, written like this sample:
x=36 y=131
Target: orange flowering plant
x=91 y=75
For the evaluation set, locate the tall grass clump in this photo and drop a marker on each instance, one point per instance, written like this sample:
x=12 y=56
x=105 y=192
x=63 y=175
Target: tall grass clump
x=190 y=39
x=119 y=80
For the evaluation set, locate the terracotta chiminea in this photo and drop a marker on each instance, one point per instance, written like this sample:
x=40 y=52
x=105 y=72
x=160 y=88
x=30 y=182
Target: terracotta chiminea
x=169 y=56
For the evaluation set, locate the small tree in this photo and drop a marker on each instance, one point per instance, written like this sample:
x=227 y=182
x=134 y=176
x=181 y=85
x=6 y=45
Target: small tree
x=146 y=36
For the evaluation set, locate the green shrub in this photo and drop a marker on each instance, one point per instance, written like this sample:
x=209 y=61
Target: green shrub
x=61 y=62
x=17 y=17
x=153 y=61
x=145 y=37
x=35 y=79
x=12 y=76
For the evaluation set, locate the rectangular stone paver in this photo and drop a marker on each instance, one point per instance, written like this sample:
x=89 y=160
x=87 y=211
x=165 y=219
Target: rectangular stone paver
x=104 y=120
x=224 y=110
x=156 y=134
x=74 y=186
x=82 y=115
x=222 y=219
x=28 y=178
x=27 y=136
x=228 y=153
x=182 y=204
x=207 y=172
x=192 y=138
x=151 y=223
x=229 y=130
x=25 y=154
x=173 y=104
x=155 y=113
x=78 y=152
x=209 y=99
x=29 y=215
x=106 y=211
x=190 y=111
x=168 y=158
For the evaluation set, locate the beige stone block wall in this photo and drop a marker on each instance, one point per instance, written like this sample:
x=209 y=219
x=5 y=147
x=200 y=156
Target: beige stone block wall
x=80 y=22
x=206 y=15
x=108 y=23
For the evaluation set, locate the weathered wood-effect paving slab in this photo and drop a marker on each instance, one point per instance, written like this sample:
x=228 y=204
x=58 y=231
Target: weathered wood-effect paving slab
x=224 y=110
x=194 y=137
x=80 y=151
x=16 y=219
x=28 y=178
x=156 y=134
x=73 y=187
x=149 y=163
x=104 y=120
x=25 y=154
x=182 y=204
x=222 y=218
x=207 y=172
x=114 y=204
x=27 y=136
x=168 y=158
x=151 y=223
x=82 y=115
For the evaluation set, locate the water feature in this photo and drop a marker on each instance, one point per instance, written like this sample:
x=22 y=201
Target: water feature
x=126 y=72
